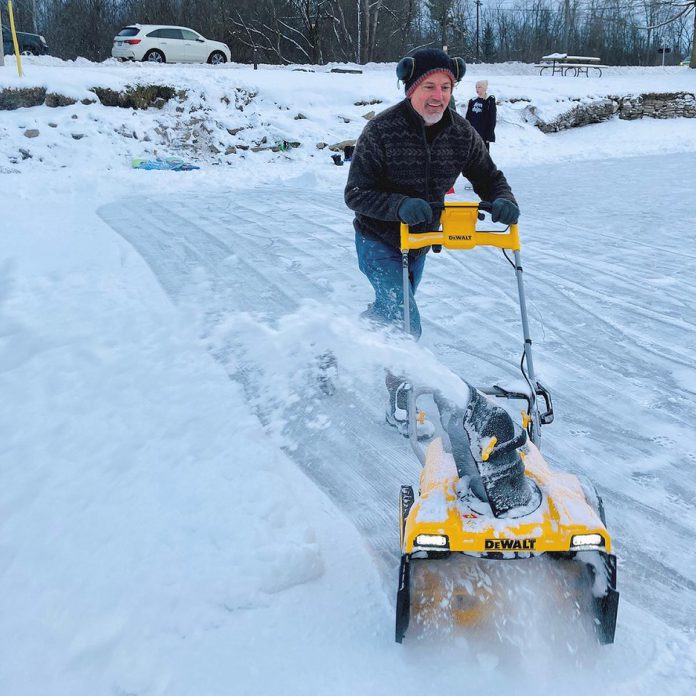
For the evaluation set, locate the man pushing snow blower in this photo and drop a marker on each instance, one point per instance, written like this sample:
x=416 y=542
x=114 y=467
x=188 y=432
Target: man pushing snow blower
x=485 y=493
x=405 y=161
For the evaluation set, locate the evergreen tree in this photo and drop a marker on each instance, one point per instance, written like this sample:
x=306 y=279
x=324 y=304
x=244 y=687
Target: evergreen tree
x=488 y=52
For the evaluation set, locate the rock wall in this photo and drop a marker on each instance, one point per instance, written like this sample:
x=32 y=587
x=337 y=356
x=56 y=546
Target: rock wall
x=669 y=105
x=681 y=104
x=137 y=97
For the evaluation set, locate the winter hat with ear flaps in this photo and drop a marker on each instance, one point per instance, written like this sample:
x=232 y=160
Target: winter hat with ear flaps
x=412 y=70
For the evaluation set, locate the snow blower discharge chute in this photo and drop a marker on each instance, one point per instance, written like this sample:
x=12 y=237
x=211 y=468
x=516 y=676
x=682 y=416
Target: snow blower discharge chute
x=486 y=493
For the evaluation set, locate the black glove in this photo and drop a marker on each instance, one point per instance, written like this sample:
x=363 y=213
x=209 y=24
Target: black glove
x=505 y=211
x=414 y=211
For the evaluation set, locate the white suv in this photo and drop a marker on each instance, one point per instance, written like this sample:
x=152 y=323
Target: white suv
x=164 y=44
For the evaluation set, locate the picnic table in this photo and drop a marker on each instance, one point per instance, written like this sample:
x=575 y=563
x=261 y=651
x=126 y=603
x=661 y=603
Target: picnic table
x=563 y=64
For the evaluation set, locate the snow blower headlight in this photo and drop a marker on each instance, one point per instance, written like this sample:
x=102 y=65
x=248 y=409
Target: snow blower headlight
x=582 y=541
x=437 y=541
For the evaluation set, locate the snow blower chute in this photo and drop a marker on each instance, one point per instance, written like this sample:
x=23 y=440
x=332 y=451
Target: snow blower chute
x=485 y=490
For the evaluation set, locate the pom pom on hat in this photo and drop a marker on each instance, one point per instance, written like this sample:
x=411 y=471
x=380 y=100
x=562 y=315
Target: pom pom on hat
x=412 y=70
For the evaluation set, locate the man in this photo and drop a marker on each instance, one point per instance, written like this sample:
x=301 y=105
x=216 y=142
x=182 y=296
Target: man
x=406 y=158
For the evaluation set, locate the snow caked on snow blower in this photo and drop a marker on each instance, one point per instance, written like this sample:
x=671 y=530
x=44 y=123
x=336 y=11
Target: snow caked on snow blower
x=486 y=493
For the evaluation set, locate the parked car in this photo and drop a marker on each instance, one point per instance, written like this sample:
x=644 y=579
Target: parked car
x=686 y=62
x=29 y=44
x=165 y=44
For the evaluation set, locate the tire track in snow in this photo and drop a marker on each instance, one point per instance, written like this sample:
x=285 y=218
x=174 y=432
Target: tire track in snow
x=379 y=458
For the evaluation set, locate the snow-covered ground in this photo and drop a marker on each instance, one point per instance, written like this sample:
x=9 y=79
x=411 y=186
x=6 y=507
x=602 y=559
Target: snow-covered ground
x=182 y=512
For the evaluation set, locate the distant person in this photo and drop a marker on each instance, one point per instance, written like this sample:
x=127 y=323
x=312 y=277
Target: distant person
x=481 y=113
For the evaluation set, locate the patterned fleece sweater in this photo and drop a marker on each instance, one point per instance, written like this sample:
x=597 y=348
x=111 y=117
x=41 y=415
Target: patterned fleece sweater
x=394 y=160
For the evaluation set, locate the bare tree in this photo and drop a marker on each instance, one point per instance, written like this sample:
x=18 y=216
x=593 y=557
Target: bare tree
x=665 y=13
x=319 y=31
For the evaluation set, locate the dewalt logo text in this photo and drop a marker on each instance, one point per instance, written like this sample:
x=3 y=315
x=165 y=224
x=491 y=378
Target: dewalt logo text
x=510 y=544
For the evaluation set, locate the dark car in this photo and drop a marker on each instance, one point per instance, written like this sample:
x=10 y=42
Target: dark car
x=29 y=44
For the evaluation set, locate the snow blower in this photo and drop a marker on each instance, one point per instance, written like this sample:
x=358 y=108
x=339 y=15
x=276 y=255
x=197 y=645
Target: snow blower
x=486 y=493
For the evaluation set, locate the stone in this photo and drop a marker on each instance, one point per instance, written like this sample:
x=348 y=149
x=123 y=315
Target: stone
x=338 y=147
x=77 y=136
x=31 y=133
x=369 y=115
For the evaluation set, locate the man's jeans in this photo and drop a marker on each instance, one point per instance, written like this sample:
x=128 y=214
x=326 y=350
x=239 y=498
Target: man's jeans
x=381 y=264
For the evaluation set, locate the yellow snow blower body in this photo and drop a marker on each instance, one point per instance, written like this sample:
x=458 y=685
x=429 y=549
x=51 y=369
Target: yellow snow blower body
x=440 y=520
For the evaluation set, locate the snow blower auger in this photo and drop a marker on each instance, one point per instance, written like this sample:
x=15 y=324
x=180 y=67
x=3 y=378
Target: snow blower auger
x=485 y=490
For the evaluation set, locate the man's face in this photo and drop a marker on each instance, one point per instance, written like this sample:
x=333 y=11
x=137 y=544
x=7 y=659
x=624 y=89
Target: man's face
x=480 y=90
x=431 y=97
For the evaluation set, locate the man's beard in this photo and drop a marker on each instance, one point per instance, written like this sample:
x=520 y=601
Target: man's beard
x=432 y=119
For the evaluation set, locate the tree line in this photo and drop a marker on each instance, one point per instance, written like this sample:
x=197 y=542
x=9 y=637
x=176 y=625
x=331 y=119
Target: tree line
x=619 y=32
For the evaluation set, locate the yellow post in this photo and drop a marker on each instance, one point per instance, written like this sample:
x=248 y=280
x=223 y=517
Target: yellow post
x=2 y=48
x=14 y=37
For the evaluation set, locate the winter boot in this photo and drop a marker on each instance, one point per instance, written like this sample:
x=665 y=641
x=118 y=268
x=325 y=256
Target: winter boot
x=397 y=412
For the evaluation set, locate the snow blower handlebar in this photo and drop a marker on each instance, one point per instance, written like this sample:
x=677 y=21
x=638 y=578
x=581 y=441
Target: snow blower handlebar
x=458 y=221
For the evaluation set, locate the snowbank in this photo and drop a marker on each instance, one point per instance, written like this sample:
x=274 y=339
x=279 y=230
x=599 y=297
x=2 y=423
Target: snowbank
x=229 y=113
